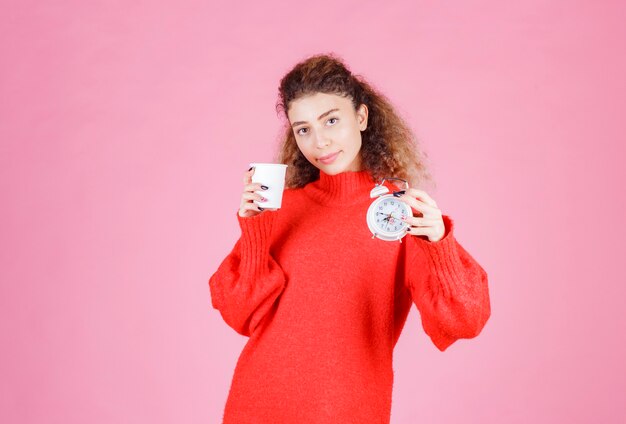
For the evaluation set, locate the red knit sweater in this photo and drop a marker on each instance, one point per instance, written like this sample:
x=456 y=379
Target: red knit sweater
x=323 y=305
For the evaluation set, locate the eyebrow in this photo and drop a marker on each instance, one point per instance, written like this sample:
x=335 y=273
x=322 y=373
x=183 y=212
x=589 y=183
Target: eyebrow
x=318 y=118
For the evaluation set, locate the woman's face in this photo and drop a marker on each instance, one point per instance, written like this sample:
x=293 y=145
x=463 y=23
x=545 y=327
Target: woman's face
x=327 y=124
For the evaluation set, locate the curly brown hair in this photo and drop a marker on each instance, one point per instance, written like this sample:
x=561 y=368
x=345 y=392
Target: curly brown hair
x=389 y=147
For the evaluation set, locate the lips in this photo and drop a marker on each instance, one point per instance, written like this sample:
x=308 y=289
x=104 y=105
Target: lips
x=328 y=158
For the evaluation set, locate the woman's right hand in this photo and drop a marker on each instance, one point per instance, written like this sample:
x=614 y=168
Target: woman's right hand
x=248 y=208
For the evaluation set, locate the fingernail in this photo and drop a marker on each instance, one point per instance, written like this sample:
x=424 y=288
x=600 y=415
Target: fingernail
x=264 y=187
x=250 y=168
x=399 y=193
x=260 y=208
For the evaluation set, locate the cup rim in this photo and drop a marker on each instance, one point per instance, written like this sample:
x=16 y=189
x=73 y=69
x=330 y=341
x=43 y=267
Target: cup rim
x=267 y=163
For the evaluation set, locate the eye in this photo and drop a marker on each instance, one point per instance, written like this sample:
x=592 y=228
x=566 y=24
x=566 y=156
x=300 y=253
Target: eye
x=304 y=128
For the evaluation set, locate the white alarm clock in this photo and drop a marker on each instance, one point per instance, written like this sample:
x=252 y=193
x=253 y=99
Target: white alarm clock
x=384 y=216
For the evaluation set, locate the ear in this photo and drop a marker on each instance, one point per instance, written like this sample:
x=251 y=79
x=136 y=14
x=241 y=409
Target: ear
x=362 y=116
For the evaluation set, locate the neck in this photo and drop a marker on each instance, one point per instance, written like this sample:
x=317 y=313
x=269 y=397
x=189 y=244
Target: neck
x=345 y=188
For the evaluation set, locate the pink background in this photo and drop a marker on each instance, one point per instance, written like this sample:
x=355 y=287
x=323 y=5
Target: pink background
x=125 y=131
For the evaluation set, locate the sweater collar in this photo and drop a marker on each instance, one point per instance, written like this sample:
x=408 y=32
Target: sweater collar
x=348 y=187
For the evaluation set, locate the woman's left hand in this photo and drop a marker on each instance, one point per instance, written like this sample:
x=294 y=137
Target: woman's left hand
x=430 y=224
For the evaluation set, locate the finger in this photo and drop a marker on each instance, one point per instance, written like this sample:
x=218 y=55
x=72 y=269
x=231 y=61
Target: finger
x=420 y=221
x=422 y=195
x=425 y=209
x=253 y=196
x=251 y=207
x=253 y=187
x=249 y=199
x=247 y=177
x=421 y=231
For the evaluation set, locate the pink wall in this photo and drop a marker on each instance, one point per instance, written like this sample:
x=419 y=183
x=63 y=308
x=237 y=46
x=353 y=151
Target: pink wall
x=125 y=129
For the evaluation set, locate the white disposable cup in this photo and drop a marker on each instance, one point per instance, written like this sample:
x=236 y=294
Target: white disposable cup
x=271 y=175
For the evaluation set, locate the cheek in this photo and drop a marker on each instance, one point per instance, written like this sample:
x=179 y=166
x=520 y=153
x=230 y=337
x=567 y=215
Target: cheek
x=352 y=138
x=351 y=134
x=305 y=150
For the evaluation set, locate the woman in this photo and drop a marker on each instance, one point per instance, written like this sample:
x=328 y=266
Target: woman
x=322 y=302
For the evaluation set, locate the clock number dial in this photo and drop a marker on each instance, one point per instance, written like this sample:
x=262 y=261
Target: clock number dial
x=389 y=215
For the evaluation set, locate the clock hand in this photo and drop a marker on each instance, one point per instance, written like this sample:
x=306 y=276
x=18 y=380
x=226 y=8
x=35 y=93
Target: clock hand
x=391 y=215
x=396 y=210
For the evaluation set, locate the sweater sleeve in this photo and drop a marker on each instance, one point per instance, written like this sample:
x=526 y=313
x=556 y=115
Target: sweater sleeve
x=249 y=280
x=448 y=286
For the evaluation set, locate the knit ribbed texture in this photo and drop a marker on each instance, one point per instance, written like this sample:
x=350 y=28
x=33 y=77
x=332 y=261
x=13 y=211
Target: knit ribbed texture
x=255 y=238
x=455 y=290
x=323 y=305
x=341 y=190
x=249 y=280
x=444 y=259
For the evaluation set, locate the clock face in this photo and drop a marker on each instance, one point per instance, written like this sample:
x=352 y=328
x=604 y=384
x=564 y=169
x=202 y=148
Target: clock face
x=387 y=214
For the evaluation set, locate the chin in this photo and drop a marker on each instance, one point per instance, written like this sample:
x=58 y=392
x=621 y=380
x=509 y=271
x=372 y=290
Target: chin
x=333 y=168
x=336 y=167
x=332 y=171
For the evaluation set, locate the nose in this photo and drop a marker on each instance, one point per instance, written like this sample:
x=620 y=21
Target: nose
x=320 y=140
